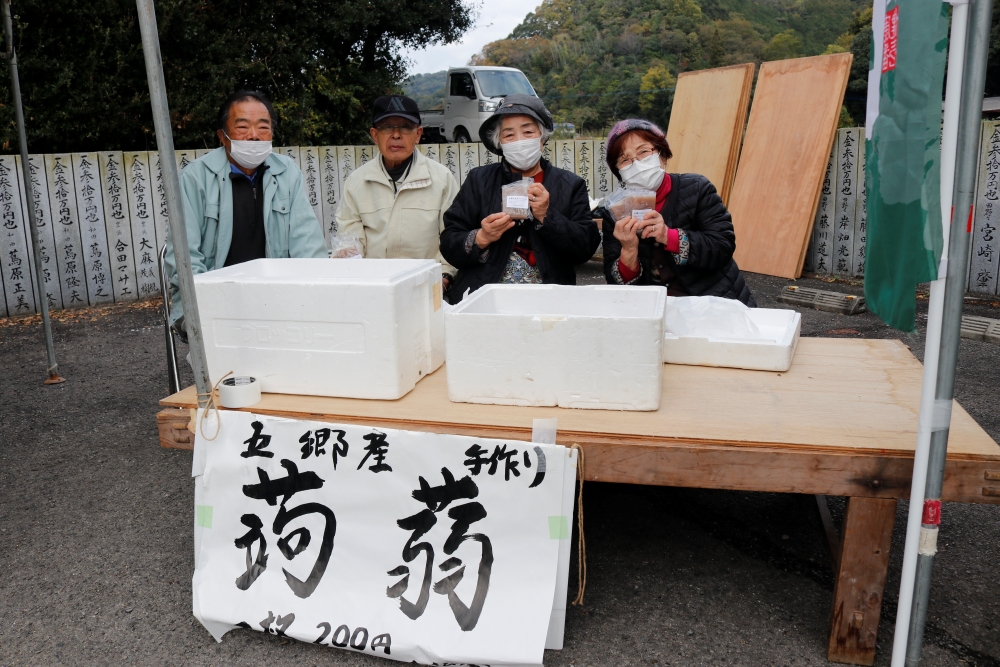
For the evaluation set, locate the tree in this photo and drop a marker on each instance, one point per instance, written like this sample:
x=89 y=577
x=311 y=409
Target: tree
x=84 y=81
x=656 y=86
x=782 y=46
x=595 y=54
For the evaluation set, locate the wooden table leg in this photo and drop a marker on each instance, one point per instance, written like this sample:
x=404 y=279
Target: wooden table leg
x=866 y=538
x=173 y=427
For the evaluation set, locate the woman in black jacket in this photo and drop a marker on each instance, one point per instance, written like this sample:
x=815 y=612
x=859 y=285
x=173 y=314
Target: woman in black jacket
x=686 y=242
x=487 y=245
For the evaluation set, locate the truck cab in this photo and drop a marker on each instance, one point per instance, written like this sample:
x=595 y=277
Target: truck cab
x=471 y=95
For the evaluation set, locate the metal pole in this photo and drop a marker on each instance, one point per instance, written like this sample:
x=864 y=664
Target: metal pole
x=970 y=122
x=173 y=376
x=171 y=183
x=29 y=189
x=935 y=315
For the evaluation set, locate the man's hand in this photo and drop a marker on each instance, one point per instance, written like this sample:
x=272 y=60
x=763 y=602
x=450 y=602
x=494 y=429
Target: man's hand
x=445 y=282
x=538 y=199
x=493 y=227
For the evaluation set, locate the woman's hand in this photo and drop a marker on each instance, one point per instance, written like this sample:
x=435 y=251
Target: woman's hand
x=492 y=228
x=626 y=233
x=538 y=199
x=653 y=227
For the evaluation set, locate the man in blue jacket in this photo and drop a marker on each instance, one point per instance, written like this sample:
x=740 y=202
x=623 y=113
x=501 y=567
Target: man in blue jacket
x=242 y=201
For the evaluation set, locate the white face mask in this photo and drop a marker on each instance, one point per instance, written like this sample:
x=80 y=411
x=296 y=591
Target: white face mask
x=248 y=154
x=646 y=173
x=522 y=155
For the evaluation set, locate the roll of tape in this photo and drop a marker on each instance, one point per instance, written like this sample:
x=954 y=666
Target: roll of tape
x=239 y=392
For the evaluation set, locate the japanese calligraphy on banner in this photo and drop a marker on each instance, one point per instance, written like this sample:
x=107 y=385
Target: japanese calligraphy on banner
x=39 y=199
x=142 y=204
x=468 y=159
x=402 y=545
x=449 y=158
x=845 y=201
x=14 y=252
x=90 y=208
x=330 y=189
x=309 y=161
x=985 y=260
x=70 y=255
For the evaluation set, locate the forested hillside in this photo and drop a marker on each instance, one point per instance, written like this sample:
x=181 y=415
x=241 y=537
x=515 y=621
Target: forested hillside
x=594 y=61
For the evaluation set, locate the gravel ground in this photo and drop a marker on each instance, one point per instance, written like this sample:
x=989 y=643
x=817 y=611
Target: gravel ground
x=96 y=530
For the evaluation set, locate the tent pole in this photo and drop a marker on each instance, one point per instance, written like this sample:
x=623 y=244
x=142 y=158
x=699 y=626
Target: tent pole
x=171 y=184
x=29 y=189
x=932 y=342
x=970 y=123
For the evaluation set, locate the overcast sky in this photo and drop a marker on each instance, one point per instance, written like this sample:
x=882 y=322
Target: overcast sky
x=496 y=20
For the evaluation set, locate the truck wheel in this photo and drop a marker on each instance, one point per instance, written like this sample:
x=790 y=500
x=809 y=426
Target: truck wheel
x=462 y=136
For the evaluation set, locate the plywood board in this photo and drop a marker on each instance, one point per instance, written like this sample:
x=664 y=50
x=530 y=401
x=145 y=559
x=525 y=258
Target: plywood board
x=70 y=249
x=89 y=206
x=839 y=396
x=706 y=123
x=789 y=137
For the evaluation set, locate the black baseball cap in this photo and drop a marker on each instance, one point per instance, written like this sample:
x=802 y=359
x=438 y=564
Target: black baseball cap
x=400 y=106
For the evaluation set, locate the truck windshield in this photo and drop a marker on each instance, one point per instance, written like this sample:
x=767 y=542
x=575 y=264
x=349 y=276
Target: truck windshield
x=500 y=83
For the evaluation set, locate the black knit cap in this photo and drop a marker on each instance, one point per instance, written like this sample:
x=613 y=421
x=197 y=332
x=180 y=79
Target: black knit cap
x=527 y=105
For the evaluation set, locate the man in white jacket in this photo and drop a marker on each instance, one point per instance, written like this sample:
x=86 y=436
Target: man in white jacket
x=394 y=205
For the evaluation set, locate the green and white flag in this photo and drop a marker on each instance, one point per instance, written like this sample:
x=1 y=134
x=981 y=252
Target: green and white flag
x=903 y=150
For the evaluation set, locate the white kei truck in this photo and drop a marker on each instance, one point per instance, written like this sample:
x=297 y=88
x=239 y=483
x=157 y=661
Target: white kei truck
x=471 y=96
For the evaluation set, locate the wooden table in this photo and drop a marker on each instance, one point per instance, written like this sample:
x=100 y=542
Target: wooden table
x=841 y=421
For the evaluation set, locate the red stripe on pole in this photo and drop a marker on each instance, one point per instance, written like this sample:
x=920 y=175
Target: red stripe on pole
x=968 y=225
x=932 y=513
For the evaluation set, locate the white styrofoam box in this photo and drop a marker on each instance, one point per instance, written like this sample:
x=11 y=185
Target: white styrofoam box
x=358 y=328
x=575 y=347
x=773 y=351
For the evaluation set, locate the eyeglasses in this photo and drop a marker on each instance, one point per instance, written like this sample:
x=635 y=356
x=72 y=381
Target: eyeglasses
x=405 y=130
x=641 y=154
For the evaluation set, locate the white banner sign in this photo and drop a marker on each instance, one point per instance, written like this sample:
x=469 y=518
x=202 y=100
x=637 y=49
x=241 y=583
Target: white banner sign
x=403 y=545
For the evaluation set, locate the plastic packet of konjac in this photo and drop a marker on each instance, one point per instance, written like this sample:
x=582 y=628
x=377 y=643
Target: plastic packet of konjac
x=619 y=203
x=643 y=201
x=514 y=198
x=346 y=246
